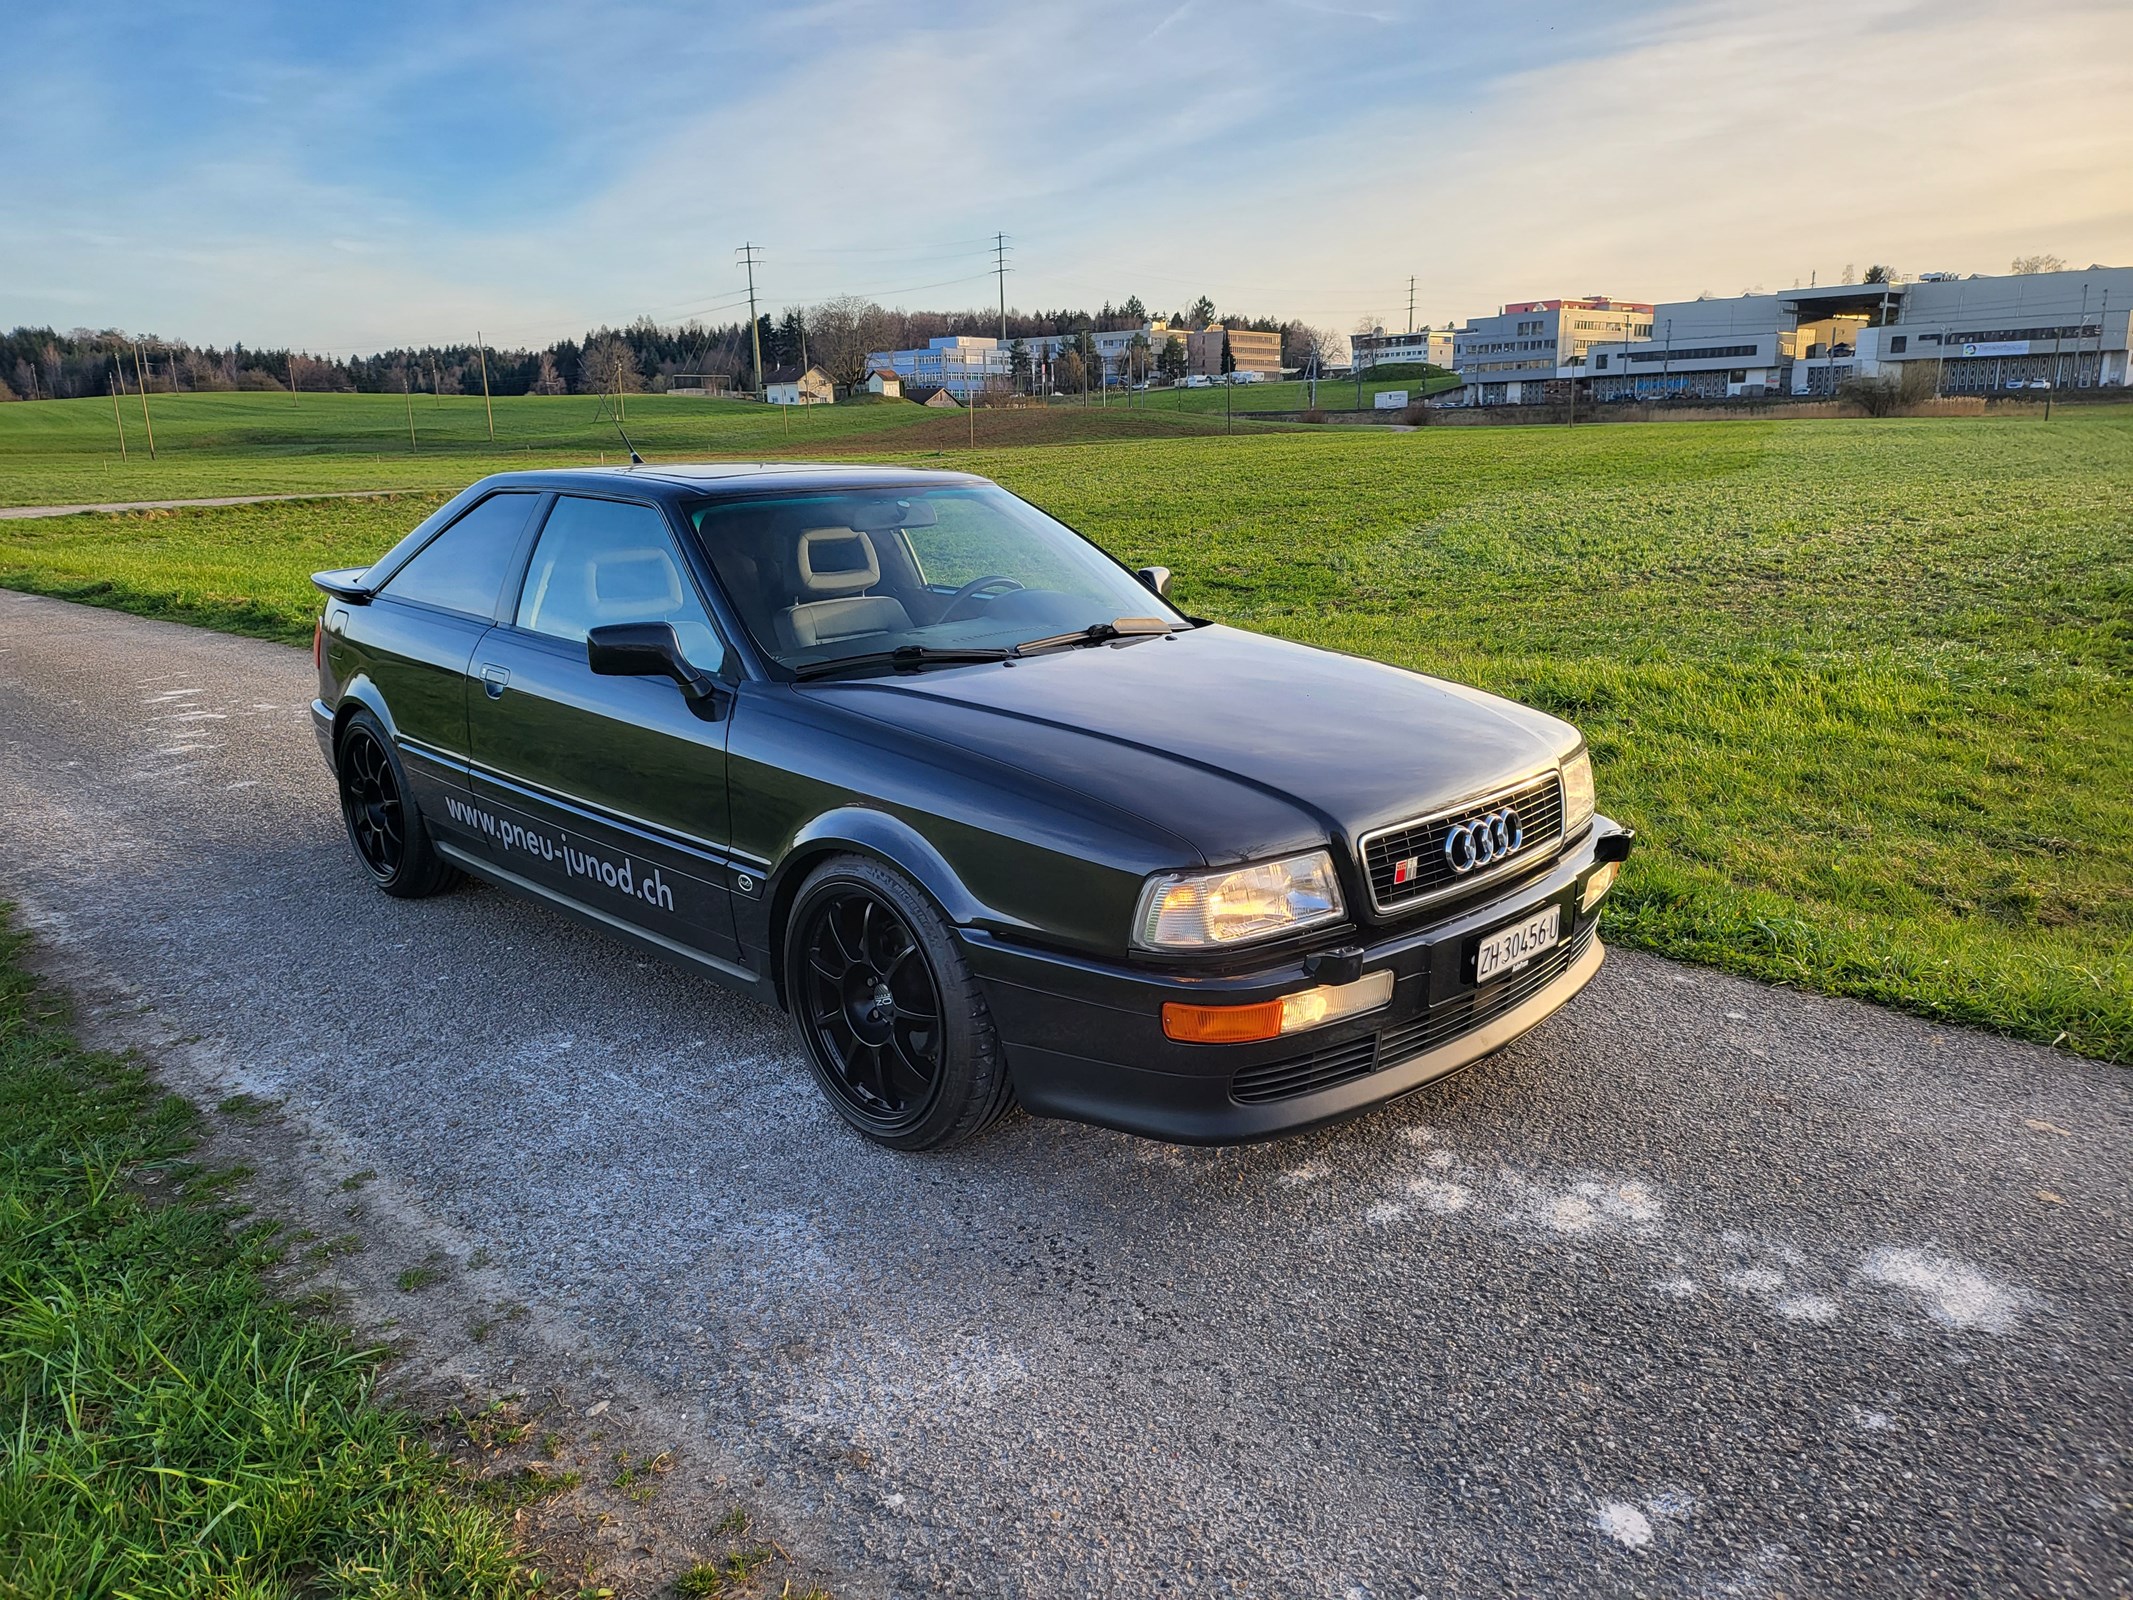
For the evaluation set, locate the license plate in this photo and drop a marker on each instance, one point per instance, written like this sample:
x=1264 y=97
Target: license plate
x=1508 y=949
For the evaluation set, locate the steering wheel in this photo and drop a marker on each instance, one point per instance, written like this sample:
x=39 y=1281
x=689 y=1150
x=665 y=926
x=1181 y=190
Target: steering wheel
x=970 y=591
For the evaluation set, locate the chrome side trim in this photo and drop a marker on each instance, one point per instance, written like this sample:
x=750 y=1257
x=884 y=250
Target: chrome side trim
x=1524 y=858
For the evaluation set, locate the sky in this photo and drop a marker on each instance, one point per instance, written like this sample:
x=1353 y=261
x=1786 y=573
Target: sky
x=350 y=178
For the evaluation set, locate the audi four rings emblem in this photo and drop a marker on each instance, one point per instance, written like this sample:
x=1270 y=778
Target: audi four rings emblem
x=1480 y=840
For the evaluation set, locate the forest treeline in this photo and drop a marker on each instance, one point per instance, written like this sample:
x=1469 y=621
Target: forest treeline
x=838 y=335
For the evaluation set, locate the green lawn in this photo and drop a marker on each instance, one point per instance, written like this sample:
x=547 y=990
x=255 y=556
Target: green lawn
x=66 y=452
x=1861 y=686
x=171 y=1429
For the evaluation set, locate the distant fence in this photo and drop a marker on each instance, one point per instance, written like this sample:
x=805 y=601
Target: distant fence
x=1542 y=416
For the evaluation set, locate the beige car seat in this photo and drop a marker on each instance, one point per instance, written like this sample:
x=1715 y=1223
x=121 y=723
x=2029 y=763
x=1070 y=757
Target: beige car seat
x=838 y=566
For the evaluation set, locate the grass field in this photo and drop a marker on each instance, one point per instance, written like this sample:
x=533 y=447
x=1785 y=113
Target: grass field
x=1861 y=686
x=66 y=452
x=172 y=1430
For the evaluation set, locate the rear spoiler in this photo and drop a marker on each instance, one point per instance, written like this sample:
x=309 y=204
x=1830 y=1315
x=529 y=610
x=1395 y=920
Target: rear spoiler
x=345 y=583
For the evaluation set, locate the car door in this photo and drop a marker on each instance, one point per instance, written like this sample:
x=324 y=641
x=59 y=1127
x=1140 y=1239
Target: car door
x=417 y=639
x=609 y=792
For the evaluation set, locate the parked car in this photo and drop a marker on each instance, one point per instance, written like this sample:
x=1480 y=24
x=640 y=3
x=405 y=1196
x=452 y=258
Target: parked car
x=984 y=812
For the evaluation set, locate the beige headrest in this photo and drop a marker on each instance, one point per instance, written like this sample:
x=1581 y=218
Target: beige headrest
x=836 y=546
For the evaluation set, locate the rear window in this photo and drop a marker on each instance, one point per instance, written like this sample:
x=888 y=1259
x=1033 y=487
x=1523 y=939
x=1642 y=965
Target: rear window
x=464 y=567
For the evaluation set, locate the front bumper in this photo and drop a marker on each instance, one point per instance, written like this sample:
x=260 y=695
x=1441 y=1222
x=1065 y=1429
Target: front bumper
x=1084 y=1038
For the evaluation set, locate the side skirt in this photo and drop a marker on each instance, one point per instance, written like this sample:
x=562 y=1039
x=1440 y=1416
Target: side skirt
x=737 y=978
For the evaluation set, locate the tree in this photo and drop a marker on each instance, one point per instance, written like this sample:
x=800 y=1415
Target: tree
x=546 y=380
x=1069 y=376
x=1171 y=360
x=2027 y=266
x=609 y=367
x=1133 y=310
x=1201 y=314
x=1877 y=273
x=841 y=334
x=1229 y=361
x=1018 y=366
x=1851 y=272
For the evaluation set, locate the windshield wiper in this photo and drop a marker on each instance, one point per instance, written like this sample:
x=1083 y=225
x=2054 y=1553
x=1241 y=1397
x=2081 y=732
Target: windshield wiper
x=904 y=658
x=1097 y=633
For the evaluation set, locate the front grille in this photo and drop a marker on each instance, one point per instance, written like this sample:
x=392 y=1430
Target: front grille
x=1359 y=1058
x=1539 y=804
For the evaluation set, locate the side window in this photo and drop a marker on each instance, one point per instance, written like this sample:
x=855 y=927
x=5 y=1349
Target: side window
x=464 y=567
x=601 y=562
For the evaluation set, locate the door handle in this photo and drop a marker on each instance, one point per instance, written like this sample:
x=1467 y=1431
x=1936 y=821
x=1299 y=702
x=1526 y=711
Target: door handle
x=493 y=679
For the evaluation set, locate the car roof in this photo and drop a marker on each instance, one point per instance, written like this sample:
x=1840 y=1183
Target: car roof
x=672 y=479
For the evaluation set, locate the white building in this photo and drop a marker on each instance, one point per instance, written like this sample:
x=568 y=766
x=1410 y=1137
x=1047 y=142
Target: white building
x=962 y=363
x=1517 y=356
x=1381 y=349
x=795 y=386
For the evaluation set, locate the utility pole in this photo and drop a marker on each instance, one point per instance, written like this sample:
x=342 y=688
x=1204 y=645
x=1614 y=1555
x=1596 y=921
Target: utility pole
x=141 y=375
x=748 y=254
x=118 y=418
x=487 y=405
x=409 y=395
x=1410 y=305
x=999 y=267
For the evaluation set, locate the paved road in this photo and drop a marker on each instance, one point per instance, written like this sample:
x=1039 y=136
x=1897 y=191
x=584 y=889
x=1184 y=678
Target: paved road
x=1703 y=1289
x=8 y=512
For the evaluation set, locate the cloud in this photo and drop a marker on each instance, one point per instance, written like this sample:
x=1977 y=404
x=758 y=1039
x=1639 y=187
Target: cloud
x=540 y=168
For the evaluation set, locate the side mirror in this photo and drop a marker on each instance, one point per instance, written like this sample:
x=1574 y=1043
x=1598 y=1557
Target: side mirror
x=651 y=650
x=1157 y=579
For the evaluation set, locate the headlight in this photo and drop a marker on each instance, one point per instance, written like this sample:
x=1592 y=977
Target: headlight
x=1577 y=793
x=1235 y=905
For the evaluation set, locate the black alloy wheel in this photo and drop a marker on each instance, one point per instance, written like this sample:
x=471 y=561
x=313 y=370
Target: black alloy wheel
x=384 y=823
x=372 y=803
x=871 y=1010
x=895 y=1025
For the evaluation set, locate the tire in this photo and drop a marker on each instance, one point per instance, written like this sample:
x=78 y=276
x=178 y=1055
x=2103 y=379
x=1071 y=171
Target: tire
x=385 y=829
x=895 y=1027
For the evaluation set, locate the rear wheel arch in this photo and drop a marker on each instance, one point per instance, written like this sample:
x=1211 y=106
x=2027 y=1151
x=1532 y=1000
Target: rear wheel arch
x=360 y=694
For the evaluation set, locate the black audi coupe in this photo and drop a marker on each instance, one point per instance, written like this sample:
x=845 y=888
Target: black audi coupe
x=986 y=814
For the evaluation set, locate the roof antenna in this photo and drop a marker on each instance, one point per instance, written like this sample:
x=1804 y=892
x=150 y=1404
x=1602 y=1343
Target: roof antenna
x=635 y=459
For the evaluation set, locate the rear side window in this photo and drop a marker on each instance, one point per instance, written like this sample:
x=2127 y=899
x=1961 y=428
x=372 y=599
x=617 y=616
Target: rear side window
x=464 y=567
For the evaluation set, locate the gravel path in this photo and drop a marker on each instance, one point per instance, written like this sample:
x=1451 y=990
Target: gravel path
x=178 y=505
x=1703 y=1289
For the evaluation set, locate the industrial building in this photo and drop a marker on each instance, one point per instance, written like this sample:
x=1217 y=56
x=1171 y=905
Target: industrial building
x=1982 y=335
x=1531 y=343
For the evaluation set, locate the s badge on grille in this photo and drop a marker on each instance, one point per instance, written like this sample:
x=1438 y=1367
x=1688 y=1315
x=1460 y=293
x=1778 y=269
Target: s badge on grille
x=1405 y=869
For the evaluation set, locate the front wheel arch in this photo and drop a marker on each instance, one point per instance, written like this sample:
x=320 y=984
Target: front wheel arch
x=862 y=831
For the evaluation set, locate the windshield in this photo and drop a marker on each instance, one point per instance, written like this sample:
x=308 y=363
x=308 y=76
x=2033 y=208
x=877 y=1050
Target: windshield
x=824 y=577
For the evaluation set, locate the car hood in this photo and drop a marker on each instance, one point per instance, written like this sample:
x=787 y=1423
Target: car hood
x=1241 y=744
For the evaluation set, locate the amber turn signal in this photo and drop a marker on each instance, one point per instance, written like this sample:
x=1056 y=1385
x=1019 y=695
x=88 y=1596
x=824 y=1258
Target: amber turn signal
x=1221 y=1024
x=1269 y=1019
